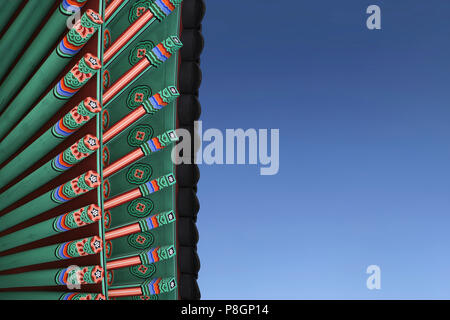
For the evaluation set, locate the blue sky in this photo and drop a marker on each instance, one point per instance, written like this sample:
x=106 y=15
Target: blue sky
x=364 y=150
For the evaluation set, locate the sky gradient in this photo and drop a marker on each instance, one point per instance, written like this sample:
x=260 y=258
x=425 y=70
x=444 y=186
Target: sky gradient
x=364 y=150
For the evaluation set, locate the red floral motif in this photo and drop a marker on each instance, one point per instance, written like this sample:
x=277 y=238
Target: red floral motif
x=107 y=219
x=94 y=212
x=80 y=249
x=105 y=79
x=83 y=31
x=110 y=277
x=140 y=207
x=138 y=174
x=140 y=11
x=96 y=275
x=105 y=119
x=139 y=97
x=78 y=117
x=141 y=53
x=106 y=189
x=141 y=239
x=142 y=269
x=80 y=76
x=76 y=153
x=108 y=247
x=77 y=218
x=105 y=156
x=106 y=38
x=75 y=187
x=140 y=135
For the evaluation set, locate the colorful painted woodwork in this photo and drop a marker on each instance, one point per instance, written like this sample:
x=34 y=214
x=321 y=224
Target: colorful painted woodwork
x=86 y=168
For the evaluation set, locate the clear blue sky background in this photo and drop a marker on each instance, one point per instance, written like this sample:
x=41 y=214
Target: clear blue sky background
x=364 y=152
